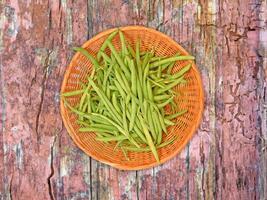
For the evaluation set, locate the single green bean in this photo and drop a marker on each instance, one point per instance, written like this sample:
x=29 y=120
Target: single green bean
x=155 y=83
x=149 y=140
x=149 y=91
x=91 y=129
x=130 y=49
x=124 y=50
x=171 y=59
x=112 y=138
x=133 y=114
x=159 y=71
x=162 y=97
x=168 y=87
x=72 y=93
x=163 y=104
x=105 y=57
x=125 y=123
x=104 y=45
x=133 y=78
x=157 y=126
x=115 y=103
x=161 y=119
x=104 y=126
x=139 y=90
x=181 y=72
x=87 y=55
x=138 y=61
x=170 y=117
x=168 y=122
x=120 y=89
x=151 y=124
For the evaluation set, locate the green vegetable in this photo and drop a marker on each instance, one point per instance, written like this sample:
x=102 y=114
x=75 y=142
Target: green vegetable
x=124 y=98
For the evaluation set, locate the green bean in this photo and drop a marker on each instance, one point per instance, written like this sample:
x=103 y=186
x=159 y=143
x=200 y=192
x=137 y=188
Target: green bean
x=124 y=119
x=133 y=78
x=82 y=123
x=168 y=87
x=87 y=55
x=161 y=119
x=125 y=153
x=181 y=72
x=106 y=75
x=124 y=50
x=161 y=105
x=169 y=60
x=146 y=60
x=75 y=110
x=121 y=91
x=89 y=109
x=118 y=127
x=128 y=99
x=104 y=45
x=157 y=58
x=72 y=93
x=112 y=138
x=149 y=140
x=113 y=87
x=169 y=68
x=91 y=129
x=118 y=144
x=139 y=90
x=151 y=124
x=170 y=117
x=147 y=149
x=145 y=104
x=162 y=97
x=124 y=80
x=155 y=83
x=104 y=126
x=115 y=103
x=118 y=58
x=146 y=70
x=120 y=80
x=159 y=71
x=106 y=102
x=108 y=93
x=168 y=122
x=133 y=114
x=157 y=126
x=105 y=57
x=130 y=49
x=137 y=57
x=149 y=91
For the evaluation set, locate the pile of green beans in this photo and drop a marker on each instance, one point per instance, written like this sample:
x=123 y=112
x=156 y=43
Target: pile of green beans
x=126 y=94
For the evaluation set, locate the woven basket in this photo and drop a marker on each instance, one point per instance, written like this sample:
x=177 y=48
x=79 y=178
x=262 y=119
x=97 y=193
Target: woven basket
x=190 y=97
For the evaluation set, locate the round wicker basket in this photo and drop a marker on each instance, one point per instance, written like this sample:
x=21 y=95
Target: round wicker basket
x=190 y=97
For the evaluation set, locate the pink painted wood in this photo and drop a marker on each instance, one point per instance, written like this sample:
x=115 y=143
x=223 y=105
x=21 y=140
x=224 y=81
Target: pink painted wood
x=225 y=160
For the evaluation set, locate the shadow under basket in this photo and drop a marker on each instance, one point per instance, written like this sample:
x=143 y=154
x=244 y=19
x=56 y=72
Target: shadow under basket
x=190 y=97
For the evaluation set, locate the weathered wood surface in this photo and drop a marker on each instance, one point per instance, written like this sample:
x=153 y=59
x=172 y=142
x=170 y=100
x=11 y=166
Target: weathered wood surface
x=227 y=158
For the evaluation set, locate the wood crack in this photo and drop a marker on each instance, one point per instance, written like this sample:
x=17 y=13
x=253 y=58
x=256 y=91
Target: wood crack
x=137 y=185
x=10 y=188
x=46 y=66
x=49 y=182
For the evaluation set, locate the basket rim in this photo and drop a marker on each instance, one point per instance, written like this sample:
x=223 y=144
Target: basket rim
x=190 y=134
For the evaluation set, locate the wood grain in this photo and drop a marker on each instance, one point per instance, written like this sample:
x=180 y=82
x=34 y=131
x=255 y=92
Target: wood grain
x=226 y=159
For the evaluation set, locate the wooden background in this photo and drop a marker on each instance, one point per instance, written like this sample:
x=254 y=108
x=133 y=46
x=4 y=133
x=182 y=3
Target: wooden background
x=227 y=158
